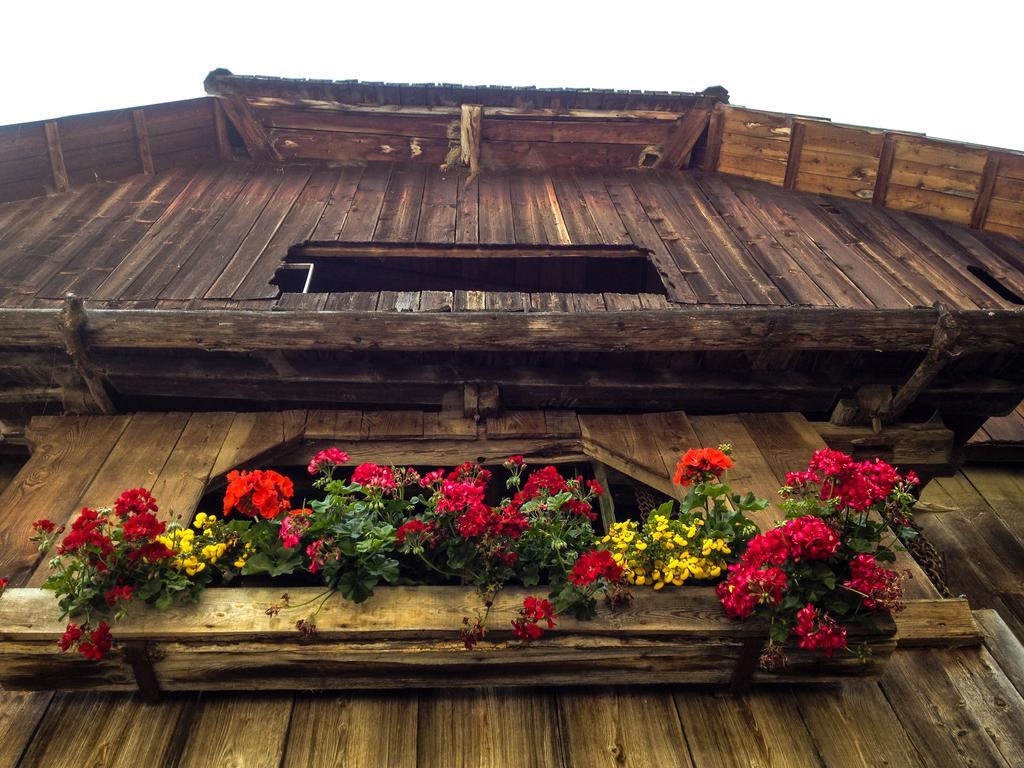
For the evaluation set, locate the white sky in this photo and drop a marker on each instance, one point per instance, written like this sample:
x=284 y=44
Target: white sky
x=950 y=69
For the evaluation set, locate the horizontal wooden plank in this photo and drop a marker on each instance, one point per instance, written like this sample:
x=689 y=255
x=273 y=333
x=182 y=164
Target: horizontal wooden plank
x=678 y=329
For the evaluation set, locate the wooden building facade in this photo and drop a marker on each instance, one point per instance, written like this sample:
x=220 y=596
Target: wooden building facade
x=578 y=275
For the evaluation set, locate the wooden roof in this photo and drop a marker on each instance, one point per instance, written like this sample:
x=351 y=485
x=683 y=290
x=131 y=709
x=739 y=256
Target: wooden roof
x=348 y=121
x=214 y=236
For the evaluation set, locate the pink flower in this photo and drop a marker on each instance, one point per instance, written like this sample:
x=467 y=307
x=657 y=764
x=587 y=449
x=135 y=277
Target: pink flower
x=327 y=460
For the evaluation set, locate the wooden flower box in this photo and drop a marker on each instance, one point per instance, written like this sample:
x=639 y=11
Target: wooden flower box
x=409 y=637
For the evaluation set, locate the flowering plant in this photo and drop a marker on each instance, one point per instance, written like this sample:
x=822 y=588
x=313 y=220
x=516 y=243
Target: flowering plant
x=113 y=557
x=695 y=543
x=821 y=571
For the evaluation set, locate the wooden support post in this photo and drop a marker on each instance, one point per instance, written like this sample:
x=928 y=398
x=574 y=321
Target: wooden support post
x=469 y=139
x=137 y=656
x=56 y=152
x=884 y=171
x=220 y=124
x=716 y=126
x=988 y=182
x=945 y=347
x=796 y=146
x=746 y=664
x=142 y=139
x=257 y=142
x=72 y=326
x=690 y=127
x=605 y=500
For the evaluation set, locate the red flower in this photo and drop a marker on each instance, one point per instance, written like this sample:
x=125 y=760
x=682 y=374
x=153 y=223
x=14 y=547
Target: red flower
x=734 y=593
x=326 y=460
x=459 y=496
x=593 y=565
x=543 y=482
x=44 y=526
x=71 y=636
x=854 y=484
x=98 y=644
x=514 y=461
x=262 y=492
x=135 y=501
x=315 y=553
x=811 y=538
x=143 y=525
x=534 y=611
x=595 y=487
x=769 y=548
x=374 y=476
x=414 y=527
x=432 y=478
x=292 y=528
x=818 y=631
x=85 y=532
x=122 y=592
x=768 y=585
x=698 y=465
x=4 y=583
x=154 y=550
x=879 y=587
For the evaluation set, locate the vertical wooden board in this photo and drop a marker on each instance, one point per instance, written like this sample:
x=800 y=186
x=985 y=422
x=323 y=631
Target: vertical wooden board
x=183 y=480
x=467 y=215
x=726 y=730
x=751 y=472
x=340 y=203
x=256 y=241
x=595 y=195
x=990 y=696
x=561 y=423
x=66 y=457
x=619 y=728
x=438 y=214
x=489 y=727
x=359 y=730
x=85 y=729
x=853 y=724
x=934 y=713
x=366 y=205
x=495 y=208
x=528 y=213
x=400 y=211
x=238 y=730
x=580 y=225
x=20 y=714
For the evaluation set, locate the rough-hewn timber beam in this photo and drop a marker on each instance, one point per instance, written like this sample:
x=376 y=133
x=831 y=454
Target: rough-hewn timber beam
x=72 y=326
x=885 y=161
x=676 y=329
x=979 y=213
x=676 y=152
x=469 y=139
x=946 y=346
x=257 y=142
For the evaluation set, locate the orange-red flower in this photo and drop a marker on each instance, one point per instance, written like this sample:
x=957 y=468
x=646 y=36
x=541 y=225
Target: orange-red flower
x=699 y=464
x=262 y=492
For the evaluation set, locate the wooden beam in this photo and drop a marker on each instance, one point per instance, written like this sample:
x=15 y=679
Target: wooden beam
x=220 y=124
x=796 y=145
x=713 y=147
x=885 y=161
x=72 y=326
x=56 y=152
x=946 y=346
x=682 y=329
x=257 y=142
x=142 y=140
x=331 y=249
x=676 y=152
x=469 y=139
x=988 y=182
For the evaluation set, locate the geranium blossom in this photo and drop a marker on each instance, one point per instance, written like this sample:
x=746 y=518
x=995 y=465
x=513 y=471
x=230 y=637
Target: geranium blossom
x=593 y=565
x=698 y=465
x=262 y=492
x=327 y=460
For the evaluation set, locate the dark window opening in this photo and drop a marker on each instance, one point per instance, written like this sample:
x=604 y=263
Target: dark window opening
x=995 y=284
x=352 y=267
